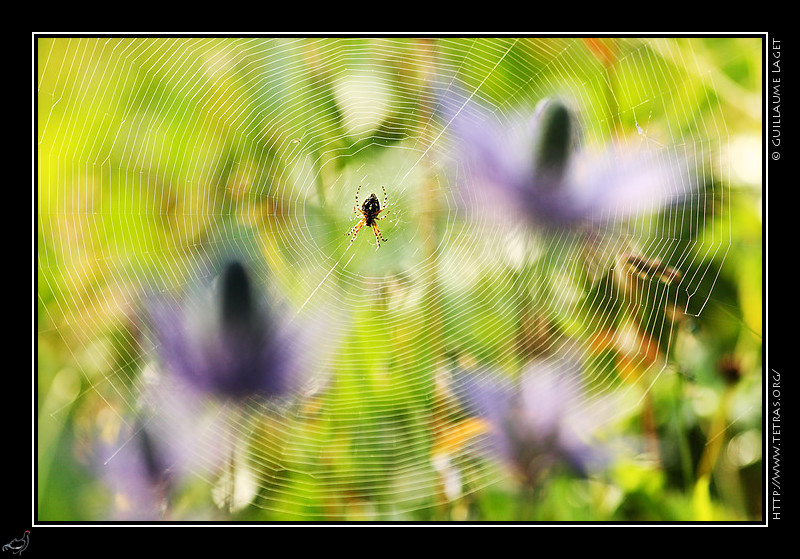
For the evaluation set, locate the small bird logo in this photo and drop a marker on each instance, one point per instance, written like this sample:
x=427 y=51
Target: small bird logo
x=17 y=545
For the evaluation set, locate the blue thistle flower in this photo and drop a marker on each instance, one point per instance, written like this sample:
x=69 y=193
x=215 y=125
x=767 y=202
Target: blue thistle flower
x=140 y=473
x=537 y=423
x=228 y=342
x=538 y=172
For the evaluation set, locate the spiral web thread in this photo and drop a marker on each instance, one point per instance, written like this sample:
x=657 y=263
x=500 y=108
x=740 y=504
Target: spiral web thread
x=158 y=155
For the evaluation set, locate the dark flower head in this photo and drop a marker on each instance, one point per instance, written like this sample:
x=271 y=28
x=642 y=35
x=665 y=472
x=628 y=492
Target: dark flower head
x=227 y=341
x=730 y=368
x=537 y=171
x=537 y=423
x=557 y=131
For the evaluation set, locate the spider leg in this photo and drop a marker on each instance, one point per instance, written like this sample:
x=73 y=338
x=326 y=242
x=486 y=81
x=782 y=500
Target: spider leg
x=357 y=191
x=356 y=229
x=378 y=235
x=385 y=199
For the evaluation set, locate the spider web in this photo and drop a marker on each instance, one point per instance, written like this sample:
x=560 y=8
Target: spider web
x=159 y=156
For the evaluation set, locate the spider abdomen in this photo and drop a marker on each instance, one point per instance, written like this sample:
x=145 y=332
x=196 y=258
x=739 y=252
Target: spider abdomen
x=371 y=208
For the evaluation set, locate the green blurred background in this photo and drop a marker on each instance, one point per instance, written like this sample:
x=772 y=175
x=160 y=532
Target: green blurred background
x=157 y=154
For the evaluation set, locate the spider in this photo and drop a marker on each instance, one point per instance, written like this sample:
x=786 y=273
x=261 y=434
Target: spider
x=370 y=210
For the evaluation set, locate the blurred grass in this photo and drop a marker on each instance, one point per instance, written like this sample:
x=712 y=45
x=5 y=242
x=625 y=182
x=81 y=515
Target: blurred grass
x=154 y=153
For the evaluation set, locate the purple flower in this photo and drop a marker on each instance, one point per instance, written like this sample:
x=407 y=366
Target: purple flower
x=537 y=171
x=214 y=347
x=170 y=439
x=227 y=342
x=538 y=422
x=141 y=472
